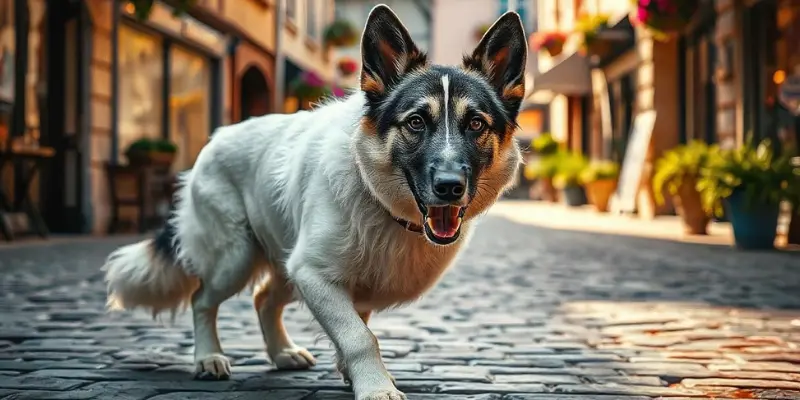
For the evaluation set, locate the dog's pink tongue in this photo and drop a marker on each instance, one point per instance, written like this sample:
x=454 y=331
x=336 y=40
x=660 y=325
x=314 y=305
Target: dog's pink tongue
x=445 y=221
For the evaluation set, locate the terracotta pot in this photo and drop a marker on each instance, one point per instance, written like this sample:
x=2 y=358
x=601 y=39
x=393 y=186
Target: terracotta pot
x=690 y=209
x=555 y=49
x=600 y=192
x=548 y=191
x=599 y=47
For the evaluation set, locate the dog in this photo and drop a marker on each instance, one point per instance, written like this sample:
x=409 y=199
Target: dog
x=354 y=207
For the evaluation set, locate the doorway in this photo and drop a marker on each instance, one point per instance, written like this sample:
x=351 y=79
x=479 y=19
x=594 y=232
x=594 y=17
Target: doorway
x=254 y=94
x=63 y=116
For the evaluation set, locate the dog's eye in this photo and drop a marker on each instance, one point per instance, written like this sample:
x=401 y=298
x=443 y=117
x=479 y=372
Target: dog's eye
x=416 y=123
x=476 y=125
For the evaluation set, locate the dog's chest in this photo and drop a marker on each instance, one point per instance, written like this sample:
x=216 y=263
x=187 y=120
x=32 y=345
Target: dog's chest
x=401 y=274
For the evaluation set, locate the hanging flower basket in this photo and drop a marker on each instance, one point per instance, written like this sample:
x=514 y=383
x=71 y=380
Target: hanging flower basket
x=664 y=18
x=341 y=33
x=309 y=86
x=589 y=27
x=347 y=66
x=553 y=42
x=481 y=30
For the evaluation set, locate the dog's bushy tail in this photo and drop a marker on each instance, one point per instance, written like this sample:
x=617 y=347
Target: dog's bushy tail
x=147 y=275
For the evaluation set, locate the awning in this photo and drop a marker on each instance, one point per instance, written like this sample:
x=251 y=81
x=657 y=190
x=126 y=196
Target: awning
x=570 y=77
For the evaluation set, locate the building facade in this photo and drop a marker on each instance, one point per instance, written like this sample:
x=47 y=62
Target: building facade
x=716 y=81
x=302 y=48
x=99 y=78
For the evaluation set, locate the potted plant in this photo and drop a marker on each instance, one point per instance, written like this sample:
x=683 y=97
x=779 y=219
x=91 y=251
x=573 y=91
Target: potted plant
x=677 y=172
x=309 y=86
x=567 y=179
x=665 y=17
x=544 y=168
x=347 y=66
x=340 y=33
x=600 y=180
x=589 y=27
x=750 y=182
x=149 y=151
x=553 y=42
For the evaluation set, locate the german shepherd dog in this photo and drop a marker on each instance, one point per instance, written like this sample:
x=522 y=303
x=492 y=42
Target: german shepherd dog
x=357 y=206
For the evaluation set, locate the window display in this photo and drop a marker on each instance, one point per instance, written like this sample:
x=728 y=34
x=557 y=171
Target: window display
x=188 y=105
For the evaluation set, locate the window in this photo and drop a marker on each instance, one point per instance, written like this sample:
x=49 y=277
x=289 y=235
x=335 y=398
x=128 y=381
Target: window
x=141 y=83
x=7 y=38
x=291 y=10
x=188 y=105
x=312 y=22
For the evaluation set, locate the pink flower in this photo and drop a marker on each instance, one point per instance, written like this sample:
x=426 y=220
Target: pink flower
x=337 y=91
x=642 y=14
x=312 y=79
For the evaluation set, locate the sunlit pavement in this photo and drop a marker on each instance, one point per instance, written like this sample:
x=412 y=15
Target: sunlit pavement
x=529 y=312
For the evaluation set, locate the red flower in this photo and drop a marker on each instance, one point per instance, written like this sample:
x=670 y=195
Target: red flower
x=347 y=66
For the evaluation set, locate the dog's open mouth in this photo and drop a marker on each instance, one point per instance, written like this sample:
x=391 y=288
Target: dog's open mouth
x=443 y=223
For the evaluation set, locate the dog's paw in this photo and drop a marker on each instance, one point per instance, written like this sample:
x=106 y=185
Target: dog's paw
x=212 y=367
x=293 y=358
x=385 y=394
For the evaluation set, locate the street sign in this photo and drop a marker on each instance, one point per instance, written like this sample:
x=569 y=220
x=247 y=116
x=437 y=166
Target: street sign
x=630 y=177
x=789 y=94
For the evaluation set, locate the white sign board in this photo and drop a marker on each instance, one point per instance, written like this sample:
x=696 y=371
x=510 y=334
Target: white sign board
x=789 y=94
x=630 y=177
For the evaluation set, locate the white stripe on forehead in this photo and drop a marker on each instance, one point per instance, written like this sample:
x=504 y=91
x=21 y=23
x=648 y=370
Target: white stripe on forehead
x=446 y=87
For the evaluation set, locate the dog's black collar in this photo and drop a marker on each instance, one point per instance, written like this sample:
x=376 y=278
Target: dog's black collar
x=408 y=225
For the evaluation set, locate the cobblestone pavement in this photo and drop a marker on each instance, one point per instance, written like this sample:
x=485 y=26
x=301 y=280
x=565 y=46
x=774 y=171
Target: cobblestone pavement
x=528 y=313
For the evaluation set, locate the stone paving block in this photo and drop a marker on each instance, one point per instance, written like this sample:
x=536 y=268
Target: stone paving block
x=42 y=383
x=271 y=394
x=742 y=383
x=550 y=396
x=478 y=388
x=335 y=395
x=626 y=390
x=539 y=379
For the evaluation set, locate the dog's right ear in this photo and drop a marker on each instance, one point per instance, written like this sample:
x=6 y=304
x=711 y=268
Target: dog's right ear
x=387 y=52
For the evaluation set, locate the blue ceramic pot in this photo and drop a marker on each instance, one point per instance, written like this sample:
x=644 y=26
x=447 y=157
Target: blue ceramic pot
x=574 y=196
x=754 y=226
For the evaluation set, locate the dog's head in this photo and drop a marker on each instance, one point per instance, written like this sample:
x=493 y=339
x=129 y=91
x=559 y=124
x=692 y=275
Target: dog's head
x=436 y=144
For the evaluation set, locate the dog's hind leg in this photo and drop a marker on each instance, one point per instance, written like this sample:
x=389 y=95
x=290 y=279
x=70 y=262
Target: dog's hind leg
x=233 y=272
x=269 y=301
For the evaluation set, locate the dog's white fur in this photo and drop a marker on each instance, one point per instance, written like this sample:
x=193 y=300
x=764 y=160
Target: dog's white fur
x=304 y=200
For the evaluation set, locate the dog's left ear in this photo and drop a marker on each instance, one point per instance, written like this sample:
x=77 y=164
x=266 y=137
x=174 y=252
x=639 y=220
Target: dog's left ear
x=501 y=57
x=388 y=52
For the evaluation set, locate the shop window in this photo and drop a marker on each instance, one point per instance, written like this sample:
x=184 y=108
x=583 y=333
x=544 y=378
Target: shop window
x=7 y=38
x=189 y=105
x=699 y=100
x=312 y=22
x=141 y=82
x=291 y=10
x=772 y=55
x=622 y=98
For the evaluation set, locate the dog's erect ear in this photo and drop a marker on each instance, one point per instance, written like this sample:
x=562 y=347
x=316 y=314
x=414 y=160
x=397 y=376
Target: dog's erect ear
x=388 y=52
x=501 y=57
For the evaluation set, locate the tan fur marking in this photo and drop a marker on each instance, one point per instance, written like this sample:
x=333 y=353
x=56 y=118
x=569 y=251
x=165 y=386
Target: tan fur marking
x=514 y=92
x=370 y=84
x=368 y=126
x=434 y=106
x=461 y=106
x=486 y=117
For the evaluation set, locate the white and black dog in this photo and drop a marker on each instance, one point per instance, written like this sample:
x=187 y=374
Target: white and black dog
x=357 y=206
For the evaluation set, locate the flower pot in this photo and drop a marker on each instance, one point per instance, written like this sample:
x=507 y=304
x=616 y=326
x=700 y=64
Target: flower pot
x=690 y=208
x=555 y=49
x=599 y=47
x=599 y=193
x=754 y=226
x=547 y=190
x=573 y=195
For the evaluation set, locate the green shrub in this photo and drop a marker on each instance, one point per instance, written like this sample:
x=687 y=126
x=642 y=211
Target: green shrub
x=682 y=162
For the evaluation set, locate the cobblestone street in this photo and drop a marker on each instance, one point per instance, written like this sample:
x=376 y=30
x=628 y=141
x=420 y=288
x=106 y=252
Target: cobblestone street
x=527 y=313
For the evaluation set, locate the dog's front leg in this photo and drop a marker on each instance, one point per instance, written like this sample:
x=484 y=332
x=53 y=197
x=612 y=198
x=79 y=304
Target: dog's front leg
x=355 y=344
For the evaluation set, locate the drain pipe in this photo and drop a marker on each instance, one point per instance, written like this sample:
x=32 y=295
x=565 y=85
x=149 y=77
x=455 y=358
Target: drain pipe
x=278 y=86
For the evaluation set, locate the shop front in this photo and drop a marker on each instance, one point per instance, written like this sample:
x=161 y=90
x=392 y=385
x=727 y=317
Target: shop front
x=771 y=47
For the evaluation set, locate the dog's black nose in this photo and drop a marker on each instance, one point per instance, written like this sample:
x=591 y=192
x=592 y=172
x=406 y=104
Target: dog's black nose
x=449 y=186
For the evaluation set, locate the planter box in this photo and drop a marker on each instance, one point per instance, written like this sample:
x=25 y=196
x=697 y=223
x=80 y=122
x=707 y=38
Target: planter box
x=548 y=191
x=573 y=196
x=690 y=208
x=754 y=228
x=599 y=193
